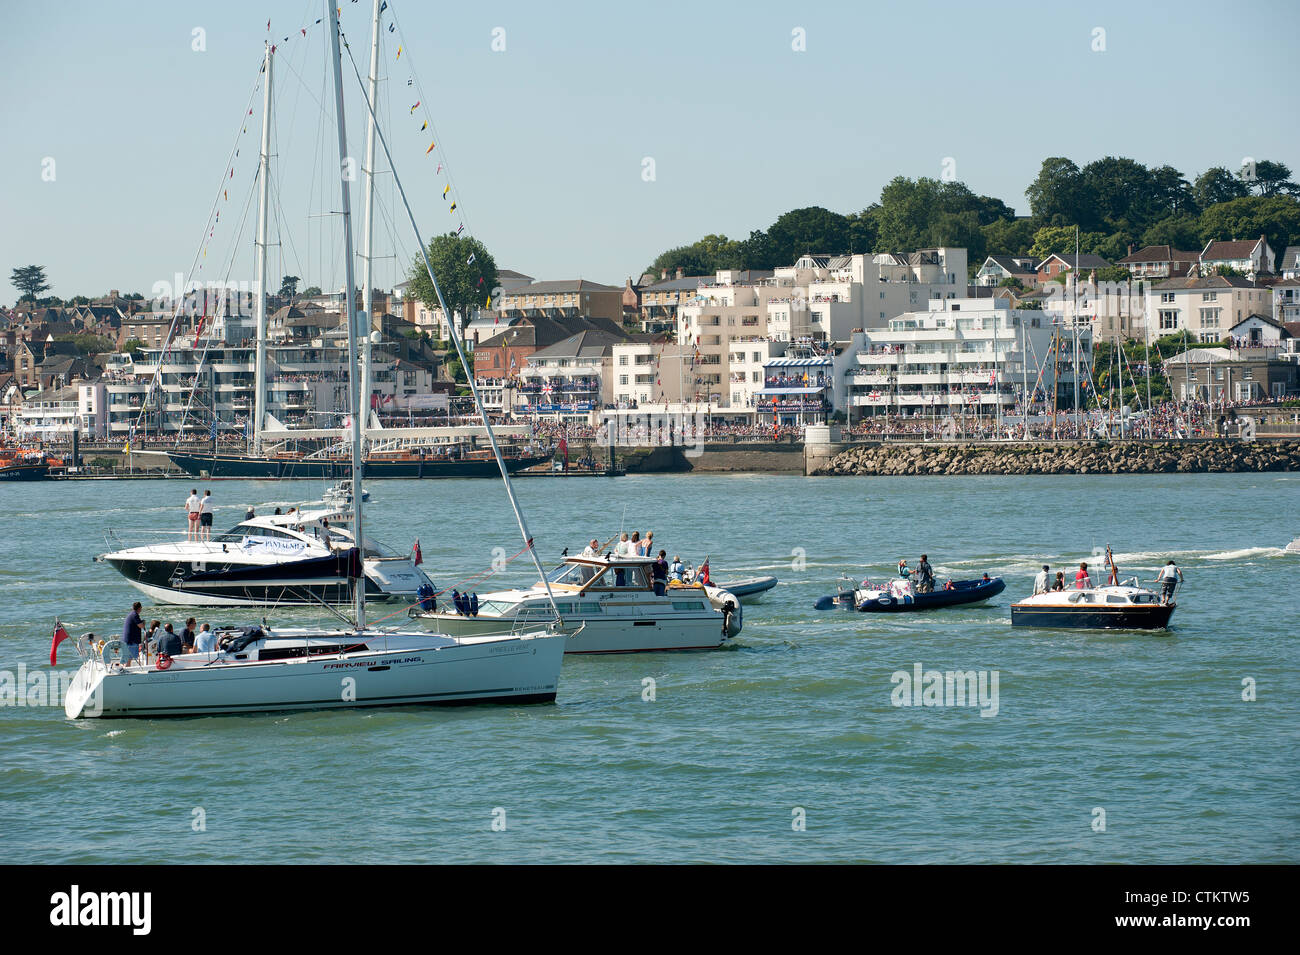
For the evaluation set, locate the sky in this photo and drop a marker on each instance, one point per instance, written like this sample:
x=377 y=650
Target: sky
x=583 y=139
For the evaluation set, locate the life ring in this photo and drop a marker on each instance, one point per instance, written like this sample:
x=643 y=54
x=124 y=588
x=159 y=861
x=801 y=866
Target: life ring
x=114 y=647
x=164 y=661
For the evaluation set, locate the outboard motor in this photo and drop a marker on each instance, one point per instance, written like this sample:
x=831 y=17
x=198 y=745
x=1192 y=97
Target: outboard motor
x=731 y=617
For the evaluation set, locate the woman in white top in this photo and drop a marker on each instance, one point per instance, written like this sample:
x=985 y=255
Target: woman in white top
x=624 y=548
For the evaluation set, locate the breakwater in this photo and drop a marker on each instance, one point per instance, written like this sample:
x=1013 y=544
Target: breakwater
x=1119 y=457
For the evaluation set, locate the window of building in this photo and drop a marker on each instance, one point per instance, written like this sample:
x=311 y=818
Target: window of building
x=622 y=379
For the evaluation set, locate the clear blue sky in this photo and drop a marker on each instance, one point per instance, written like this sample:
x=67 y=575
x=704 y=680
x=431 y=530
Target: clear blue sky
x=546 y=139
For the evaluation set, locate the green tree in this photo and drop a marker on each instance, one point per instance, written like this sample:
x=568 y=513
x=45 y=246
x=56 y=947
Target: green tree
x=1277 y=218
x=1009 y=236
x=133 y=347
x=1181 y=232
x=30 y=280
x=1060 y=240
x=1269 y=178
x=1059 y=195
x=862 y=231
x=808 y=230
x=311 y=291
x=1217 y=185
x=1123 y=192
x=289 y=286
x=465 y=269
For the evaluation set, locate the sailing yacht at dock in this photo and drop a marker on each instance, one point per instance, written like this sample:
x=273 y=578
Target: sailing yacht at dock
x=261 y=668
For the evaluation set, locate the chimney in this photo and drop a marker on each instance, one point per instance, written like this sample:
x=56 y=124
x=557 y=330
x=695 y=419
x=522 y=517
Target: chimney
x=679 y=271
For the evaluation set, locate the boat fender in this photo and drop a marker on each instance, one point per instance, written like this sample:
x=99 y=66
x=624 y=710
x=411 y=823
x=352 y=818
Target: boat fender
x=112 y=648
x=164 y=661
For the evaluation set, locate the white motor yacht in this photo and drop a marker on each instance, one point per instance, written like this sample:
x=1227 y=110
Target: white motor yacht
x=273 y=560
x=607 y=604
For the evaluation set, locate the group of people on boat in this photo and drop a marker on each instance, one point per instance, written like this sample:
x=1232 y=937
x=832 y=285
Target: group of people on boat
x=923 y=576
x=662 y=572
x=1169 y=577
x=139 y=642
x=198 y=510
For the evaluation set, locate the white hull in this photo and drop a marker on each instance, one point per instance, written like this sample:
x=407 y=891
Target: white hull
x=412 y=669
x=603 y=636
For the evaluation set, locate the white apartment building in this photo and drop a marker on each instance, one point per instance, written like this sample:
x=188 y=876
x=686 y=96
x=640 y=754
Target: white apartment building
x=647 y=374
x=55 y=414
x=1205 y=307
x=963 y=354
x=819 y=299
x=567 y=381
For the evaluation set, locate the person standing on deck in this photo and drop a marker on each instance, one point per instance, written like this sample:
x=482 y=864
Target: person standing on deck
x=131 y=634
x=192 y=507
x=205 y=516
x=1170 y=577
x=1040 y=581
x=925 y=576
x=1082 y=580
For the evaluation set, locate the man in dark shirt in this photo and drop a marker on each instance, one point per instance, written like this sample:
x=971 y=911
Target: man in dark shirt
x=187 y=636
x=659 y=572
x=925 y=573
x=168 y=642
x=131 y=633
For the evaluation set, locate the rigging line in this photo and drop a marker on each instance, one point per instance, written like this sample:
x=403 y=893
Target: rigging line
x=208 y=226
x=433 y=129
x=185 y=416
x=454 y=333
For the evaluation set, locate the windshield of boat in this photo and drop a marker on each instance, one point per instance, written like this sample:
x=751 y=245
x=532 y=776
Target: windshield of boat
x=574 y=574
x=240 y=531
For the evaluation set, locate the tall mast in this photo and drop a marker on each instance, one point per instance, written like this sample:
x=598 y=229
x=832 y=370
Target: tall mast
x=367 y=251
x=1076 y=331
x=263 y=200
x=350 y=304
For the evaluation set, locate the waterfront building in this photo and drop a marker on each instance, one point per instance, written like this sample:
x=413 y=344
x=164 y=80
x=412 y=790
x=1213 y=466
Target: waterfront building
x=974 y=355
x=1221 y=375
x=54 y=414
x=1204 y=307
x=306 y=385
x=567 y=381
x=818 y=300
x=563 y=299
x=1286 y=300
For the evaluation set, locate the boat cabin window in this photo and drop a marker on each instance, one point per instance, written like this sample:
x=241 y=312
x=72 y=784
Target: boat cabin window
x=1115 y=599
x=575 y=575
x=1143 y=599
x=240 y=531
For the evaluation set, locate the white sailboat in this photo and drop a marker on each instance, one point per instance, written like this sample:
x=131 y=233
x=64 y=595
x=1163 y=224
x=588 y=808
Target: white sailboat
x=260 y=669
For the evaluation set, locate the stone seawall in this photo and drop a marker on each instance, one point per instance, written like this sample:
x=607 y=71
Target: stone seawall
x=1127 y=457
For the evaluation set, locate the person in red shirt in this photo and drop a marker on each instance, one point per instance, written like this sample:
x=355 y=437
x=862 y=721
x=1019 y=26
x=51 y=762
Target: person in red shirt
x=1081 y=579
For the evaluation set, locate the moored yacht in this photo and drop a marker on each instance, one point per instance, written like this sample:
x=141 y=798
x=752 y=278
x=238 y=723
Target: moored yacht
x=277 y=559
x=607 y=605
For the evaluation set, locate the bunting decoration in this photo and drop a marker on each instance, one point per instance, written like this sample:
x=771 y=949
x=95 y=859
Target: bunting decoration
x=416 y=106
x=446 y=189
x=460 y=229
x=453 y=207
x=472 y=257
x=430 y=149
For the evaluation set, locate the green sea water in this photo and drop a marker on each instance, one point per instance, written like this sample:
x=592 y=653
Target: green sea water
x=784 y=747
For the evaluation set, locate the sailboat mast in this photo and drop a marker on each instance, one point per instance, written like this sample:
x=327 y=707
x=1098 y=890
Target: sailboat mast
x=367 y=227
x=263 y=201
x=350 y=304
x=1075 y=324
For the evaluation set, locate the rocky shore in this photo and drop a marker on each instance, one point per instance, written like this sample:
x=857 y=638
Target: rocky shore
x=1127 y=457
